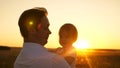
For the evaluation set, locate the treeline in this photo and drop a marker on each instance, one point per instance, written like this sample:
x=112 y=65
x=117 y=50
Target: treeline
x=4 y=48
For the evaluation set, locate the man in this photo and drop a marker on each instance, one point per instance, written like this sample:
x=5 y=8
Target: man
x=34 y=28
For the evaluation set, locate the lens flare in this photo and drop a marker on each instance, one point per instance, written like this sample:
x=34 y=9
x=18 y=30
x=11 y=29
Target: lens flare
x=30 y=23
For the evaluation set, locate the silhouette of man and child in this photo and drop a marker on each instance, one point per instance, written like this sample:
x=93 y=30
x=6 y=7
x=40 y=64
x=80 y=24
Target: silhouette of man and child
x=34 y=28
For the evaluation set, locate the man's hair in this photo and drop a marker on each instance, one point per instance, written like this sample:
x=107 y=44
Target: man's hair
x=30 y=18
x=70 y=31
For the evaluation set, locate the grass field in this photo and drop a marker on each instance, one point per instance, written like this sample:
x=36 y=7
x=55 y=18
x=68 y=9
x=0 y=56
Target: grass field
x=99 y=58
x=7 y=57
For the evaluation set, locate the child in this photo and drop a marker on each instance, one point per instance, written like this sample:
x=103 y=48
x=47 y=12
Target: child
x=67 y=36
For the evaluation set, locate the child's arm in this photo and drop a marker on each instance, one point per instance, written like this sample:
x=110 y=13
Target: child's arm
x=69 y=59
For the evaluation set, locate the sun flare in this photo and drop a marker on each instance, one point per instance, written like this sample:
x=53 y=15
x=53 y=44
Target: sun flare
x=81 y=44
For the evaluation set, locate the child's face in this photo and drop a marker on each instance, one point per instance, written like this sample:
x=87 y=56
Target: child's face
x=64 y=39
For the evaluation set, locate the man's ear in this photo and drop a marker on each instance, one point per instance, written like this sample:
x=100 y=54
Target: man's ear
x=32 y=30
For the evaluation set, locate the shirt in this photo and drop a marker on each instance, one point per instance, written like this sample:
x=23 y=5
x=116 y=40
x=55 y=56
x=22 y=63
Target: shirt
x=36 y=56
x=70 y=52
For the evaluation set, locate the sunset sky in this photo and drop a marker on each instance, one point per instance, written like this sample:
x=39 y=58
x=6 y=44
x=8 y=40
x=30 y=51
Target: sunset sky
x=97 y=21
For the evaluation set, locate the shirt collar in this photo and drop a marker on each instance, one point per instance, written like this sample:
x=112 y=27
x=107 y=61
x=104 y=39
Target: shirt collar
x=35 y=46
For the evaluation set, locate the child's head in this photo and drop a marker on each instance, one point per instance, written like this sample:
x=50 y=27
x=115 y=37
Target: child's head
x=67 y=34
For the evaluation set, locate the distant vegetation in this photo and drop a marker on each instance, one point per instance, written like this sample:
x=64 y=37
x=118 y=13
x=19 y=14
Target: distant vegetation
x=4 y=48
x=97 y=58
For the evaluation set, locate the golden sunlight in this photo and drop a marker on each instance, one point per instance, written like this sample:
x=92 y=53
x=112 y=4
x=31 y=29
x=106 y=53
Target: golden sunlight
x=81 y=44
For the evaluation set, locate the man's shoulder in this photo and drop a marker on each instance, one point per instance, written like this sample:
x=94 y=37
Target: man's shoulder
x=55 y=60
x=55 y=56
x=59 y=61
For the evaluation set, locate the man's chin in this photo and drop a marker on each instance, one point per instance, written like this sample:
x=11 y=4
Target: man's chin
x=45 y=42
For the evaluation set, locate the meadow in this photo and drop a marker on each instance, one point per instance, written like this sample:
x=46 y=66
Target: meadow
x=91 y=58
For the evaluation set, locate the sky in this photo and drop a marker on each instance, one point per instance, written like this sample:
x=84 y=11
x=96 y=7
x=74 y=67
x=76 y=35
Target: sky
x=97 y=21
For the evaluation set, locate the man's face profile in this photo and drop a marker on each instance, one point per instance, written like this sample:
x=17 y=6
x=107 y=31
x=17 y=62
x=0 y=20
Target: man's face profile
x=43 y=30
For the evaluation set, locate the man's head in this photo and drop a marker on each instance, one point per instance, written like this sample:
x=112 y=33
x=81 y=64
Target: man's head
x=67 y=34
x=34 y=25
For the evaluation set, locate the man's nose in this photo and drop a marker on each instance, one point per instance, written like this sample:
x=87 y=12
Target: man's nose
x=50 y=32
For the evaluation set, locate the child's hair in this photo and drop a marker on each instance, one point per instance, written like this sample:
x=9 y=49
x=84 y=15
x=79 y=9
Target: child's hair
x=69 y=30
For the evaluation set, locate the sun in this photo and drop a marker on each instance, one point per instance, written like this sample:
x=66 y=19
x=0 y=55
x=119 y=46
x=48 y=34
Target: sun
x=81 y=44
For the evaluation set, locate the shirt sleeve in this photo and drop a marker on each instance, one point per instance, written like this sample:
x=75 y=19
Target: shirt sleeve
x=59 y=62
x=51 y=61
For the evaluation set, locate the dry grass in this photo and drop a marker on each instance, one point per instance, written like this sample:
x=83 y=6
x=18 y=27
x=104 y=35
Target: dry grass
x=96 y=59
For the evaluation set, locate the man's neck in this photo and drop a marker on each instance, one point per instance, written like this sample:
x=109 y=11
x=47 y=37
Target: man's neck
x=33 y=41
